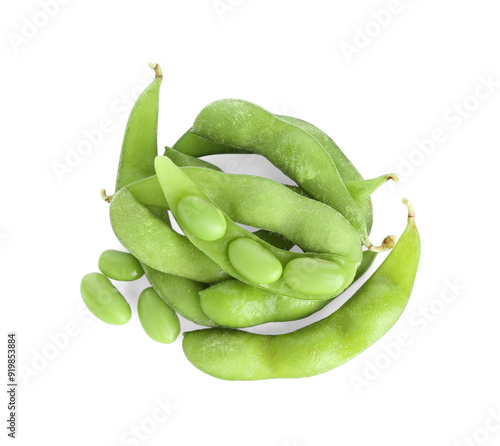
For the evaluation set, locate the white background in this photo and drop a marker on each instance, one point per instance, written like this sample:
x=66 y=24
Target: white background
x=377 y=96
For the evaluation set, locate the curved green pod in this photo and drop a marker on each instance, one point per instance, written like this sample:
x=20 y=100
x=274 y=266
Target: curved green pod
x=237 y=305
x=156 y=244
x=198 y=146
x=247 y=199
x=176 y=185
x=181 y=294
x=158 y=320
x=119 y=265
x=366 y=317
x=103 y=300
x=139 y=147
x=243 y=125
x=346 y=169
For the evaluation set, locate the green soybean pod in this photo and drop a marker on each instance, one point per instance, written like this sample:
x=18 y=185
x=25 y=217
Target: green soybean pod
x=248 y=199
x=297 y=153
x=156 y=244
x=176 y=185
x=158 y=320
x=346 y=169
x=119 y=265
x=237 y=305
x=181 y=294
x=139 y=147
x=237 y=355
x=103 y=300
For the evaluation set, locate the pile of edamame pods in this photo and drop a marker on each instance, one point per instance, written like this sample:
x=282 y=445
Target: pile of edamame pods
x=224 y=277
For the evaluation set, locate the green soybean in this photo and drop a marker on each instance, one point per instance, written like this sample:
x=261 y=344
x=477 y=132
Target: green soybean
x=235 y=304
x=314 y=276
x=253 y=261
x=181 y=294
x=237 y=355
x=139 y=147
x=176 y=185
x=158 y=320
x=119 y=265
x=103 y=300
x=201 y=218
x=156 y=244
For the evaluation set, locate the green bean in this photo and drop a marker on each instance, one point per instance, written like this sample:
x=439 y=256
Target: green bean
x=158 y=320
x=237 y=355
x=103 y=300
x=182 y=294
x=243 y=125
x=156 y=244
x=237 y=305
x=176 y=185
x=120 y=265
x=139 y=147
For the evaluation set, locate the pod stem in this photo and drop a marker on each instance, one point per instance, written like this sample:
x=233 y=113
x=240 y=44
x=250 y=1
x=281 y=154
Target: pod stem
x=157 y=70
x=107 y=198
x=388 y=243
x=411 y=211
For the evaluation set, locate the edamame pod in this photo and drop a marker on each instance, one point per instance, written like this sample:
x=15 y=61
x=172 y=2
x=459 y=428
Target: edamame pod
x=263 y=203
x=346 y=169
x=244 y=125
x=176 y=185
x=237 y=305
x=139 y=147
x=103 y=300
x=156 y=244
x=158 y=320
x=120 y=265
x=237 y=355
